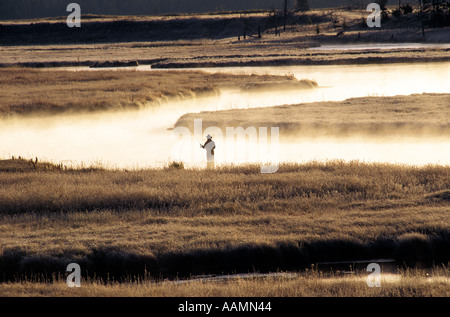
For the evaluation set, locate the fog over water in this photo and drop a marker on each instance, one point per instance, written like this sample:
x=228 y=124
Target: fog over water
x=138 y=139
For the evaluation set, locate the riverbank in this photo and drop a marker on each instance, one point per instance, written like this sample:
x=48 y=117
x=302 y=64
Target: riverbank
x=140 y=231
x=405 y=283
x=216 y=40
x=160 y=222
x=415 y=116
x=196 y=54
x=26 y=92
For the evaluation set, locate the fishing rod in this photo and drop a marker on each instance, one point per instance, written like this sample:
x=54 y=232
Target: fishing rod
x=196 y=138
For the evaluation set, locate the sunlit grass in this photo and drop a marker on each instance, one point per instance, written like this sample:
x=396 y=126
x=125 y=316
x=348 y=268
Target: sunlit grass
x=417 y=118
x=180 y=221
x=409 y=283
x=233 y=189
x=32 y=91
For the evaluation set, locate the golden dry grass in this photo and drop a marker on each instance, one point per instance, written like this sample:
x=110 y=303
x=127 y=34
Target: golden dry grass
x=415 y=115
x=303 y=186
x=31 y=91
x=409 y=283
x=174 y=221
x=285 y=49
x=185 y=221
x=207 y=53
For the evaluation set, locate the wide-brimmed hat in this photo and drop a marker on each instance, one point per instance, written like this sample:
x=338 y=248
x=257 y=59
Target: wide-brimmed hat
x=209 y=136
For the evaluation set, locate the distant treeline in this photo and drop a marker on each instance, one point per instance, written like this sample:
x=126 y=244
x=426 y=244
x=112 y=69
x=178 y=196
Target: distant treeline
x=25 y=9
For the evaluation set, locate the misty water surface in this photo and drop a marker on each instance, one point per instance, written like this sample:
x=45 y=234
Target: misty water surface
x=137 y=139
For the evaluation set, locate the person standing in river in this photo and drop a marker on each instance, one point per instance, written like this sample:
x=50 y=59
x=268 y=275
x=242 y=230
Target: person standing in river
x=209 y=146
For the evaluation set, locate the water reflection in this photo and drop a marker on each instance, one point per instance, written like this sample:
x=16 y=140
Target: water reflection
x=142 y=139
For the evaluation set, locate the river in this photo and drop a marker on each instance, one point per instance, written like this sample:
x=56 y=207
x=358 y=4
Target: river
x=141 y=139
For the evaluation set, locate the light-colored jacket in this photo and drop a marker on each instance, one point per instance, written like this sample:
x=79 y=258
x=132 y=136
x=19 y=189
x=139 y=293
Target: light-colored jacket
x=209 y=146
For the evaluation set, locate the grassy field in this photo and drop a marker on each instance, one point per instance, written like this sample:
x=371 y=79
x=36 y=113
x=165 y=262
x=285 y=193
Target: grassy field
x=147 y=232
x=26 y=91
x=405 y=283
x=289 y=50
x=424 y=115
x=216 y=40
x=172 y=222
